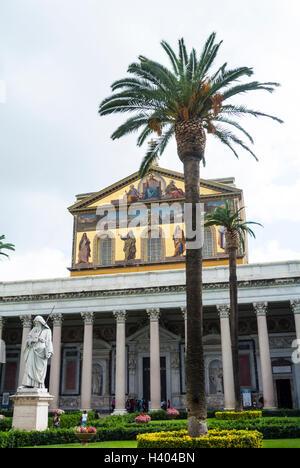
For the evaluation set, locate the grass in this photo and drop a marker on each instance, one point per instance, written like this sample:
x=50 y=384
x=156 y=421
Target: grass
x=281 y=443
x=107 y=444
x=131 y=444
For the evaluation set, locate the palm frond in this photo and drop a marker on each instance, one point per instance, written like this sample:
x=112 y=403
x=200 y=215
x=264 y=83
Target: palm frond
x=159 y=97
x=5 y=246
x=252 y=86
x=131 y=125
x=243 y=110
x=150 y=157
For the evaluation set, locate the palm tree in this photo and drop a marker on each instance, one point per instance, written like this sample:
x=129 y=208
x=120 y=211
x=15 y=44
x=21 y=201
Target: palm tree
x=187 y=101
x=5 y=246
x=235 y=231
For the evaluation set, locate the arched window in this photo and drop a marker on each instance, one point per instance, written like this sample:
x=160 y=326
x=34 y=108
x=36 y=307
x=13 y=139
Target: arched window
x=104 y=250
x=208 y=245
x=153 y=246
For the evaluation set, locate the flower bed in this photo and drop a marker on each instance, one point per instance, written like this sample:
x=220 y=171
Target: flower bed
x=238 y=415
x=214 y=439
x=172 y=413
x=85 y=434
x=143 y=419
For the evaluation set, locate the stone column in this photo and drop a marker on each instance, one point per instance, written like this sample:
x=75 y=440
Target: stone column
x=26 y=322
x=260 y=309
x=155 y=392
x=295 y=305
x=184 y=313
x=2 y=344
x=2 y=323
x=228 y=381
x=54 y=386
x=120 y=378
x=87 y=361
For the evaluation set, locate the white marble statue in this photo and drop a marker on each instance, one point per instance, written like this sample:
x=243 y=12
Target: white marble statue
x=38 y=349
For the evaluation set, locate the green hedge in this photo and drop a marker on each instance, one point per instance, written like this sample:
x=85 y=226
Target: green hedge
x=225 y=415
x=273 y=428
x=270 y=430
x=14 y=439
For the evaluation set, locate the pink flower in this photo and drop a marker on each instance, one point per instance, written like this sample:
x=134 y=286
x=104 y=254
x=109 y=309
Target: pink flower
x=91 y=430
x=173 y=412
x=142 y=418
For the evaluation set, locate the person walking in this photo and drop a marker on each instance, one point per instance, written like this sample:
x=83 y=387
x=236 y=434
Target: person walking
x=113 y=404
x=84 y=418
x=56 y=419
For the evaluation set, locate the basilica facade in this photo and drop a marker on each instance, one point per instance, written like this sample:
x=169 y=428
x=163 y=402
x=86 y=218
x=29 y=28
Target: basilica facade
x=119 y=320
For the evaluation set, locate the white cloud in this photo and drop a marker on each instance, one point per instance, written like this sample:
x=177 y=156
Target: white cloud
x=272 y=252
x=40 y=264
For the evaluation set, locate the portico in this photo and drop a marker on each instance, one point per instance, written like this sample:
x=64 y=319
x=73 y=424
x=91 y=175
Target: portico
x=109 y=337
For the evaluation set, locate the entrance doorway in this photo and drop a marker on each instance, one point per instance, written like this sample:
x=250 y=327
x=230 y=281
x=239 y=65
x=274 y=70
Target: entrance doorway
x=284 y=393
x=146 y=378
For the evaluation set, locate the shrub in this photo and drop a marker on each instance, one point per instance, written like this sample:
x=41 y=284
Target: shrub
x=238 y=415
x=5 y=424
x=214 y=439
x=270 y=428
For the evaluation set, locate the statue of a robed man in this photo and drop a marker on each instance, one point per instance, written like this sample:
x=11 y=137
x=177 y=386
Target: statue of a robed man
x=38 y=349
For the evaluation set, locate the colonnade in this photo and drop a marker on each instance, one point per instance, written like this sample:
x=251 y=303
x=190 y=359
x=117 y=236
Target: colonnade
x=260 y=309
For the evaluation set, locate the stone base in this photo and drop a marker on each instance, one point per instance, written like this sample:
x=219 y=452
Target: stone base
x=119 y=412
x=31 y=409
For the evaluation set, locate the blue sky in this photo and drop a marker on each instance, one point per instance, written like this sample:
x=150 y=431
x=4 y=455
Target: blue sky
x=57 y=61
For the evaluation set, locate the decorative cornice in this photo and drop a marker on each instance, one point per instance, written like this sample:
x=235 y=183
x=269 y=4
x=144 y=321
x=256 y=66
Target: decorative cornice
x=88 y=318
x=153 y=314
x=260 y=308
x=224 y=310
x=140 y=291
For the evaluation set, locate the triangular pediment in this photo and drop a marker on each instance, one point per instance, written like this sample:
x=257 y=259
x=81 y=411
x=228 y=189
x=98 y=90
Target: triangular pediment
x=143 y=335
x=158 y=185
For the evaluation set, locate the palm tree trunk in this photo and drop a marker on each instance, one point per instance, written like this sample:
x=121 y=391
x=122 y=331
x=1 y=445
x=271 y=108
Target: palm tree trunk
x=232 y=251
x=195 y=370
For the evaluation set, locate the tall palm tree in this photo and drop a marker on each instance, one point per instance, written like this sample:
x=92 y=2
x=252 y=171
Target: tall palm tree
x=4 y=246
x=188 y=101
x=236 y=228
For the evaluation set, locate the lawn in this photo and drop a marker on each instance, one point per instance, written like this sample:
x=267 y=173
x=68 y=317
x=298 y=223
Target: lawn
x=282 y=443
x=278 y=443
x=107 y=444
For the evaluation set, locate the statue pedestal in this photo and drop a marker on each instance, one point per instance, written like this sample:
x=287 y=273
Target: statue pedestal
x=31 y=409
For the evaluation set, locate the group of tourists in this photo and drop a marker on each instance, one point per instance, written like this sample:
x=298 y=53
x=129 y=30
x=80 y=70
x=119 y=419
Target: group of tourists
x=143 y=405
x=135 y=405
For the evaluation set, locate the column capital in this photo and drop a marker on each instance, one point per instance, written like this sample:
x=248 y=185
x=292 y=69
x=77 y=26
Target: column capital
x=57 y=319
x=88 y=317
x=224 y=310
x=260 y=308
x=153 y=314
x=295 y=305
x=184 y=311
x=120 y=315
x=26 y=321
x=2 y=322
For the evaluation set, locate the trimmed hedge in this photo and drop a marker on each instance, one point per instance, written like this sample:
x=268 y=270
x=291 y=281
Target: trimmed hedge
x=14 y=439
x=214 y=439
x=270 y=428
x=238 y=415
